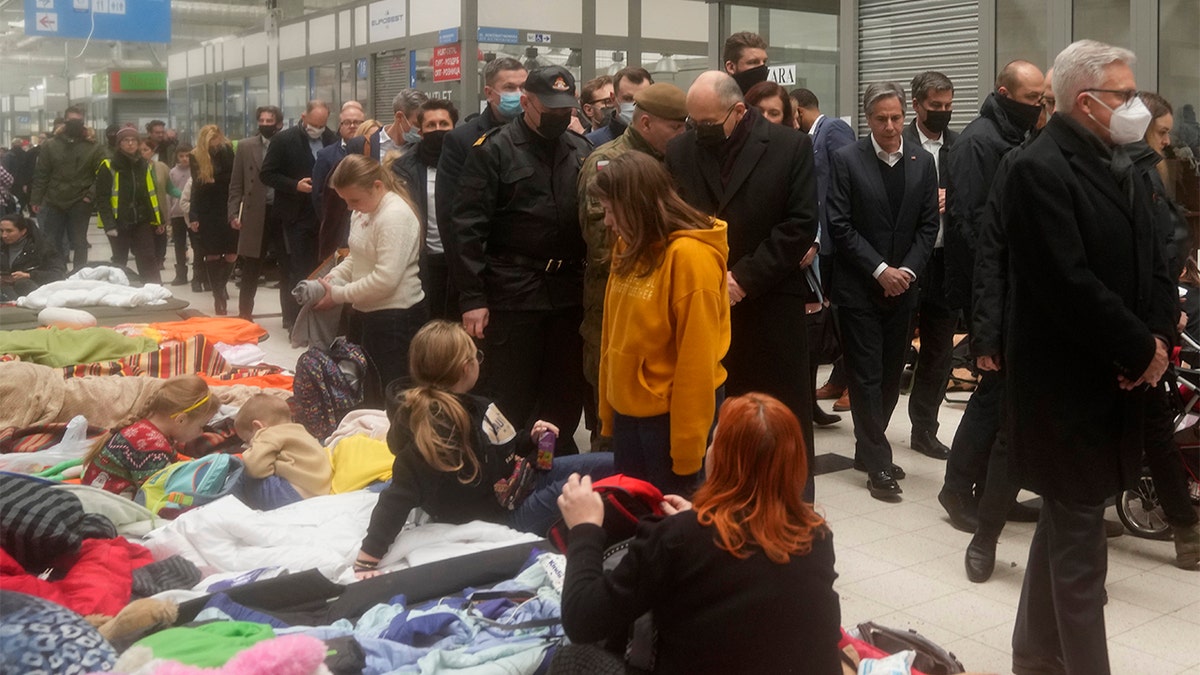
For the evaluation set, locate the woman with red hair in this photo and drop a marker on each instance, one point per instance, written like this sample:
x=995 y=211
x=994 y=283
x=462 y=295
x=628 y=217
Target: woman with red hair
x=741 y=580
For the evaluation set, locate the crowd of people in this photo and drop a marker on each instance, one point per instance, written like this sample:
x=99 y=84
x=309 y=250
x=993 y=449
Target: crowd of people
x=689 y=248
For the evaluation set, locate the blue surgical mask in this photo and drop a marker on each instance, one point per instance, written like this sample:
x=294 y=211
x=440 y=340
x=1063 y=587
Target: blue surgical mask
x=510 y=104
x=412 y=136
x=626 y=112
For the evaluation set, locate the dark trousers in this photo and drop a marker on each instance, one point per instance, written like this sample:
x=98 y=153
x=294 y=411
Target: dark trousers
x=936 y=322
x=837 y=376
x=534 y=368
x=385 y=336
x=300 y=243
x=641 y=448
x=768 y=353
x=1164 y=462
x=435 y=281
x=874 y=342
x=252 y=272
x=68 y=225
x=976 y=434
x=181 y=236
x=1060 y=618
x=140 y=241
x=998 y=493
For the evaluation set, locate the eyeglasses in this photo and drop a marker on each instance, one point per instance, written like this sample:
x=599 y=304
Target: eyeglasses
x=604 y=101
x=693 y=124
x=478 y=356
x=1126 y=95
x=350 y=123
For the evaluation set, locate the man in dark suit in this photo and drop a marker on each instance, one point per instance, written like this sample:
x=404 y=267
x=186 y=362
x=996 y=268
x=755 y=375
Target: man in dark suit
x=287 y=168
x=883 y=214
x=1005 y=118
x=502 y=82
x=759 y=178
x=1089 y=301
x=828 y=134
x=933 y=98
x=333 y=216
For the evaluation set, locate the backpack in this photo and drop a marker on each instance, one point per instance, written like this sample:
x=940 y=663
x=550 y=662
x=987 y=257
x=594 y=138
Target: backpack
x=626 y=502
x=185 y=485
x=931 y=658
x=328 y=385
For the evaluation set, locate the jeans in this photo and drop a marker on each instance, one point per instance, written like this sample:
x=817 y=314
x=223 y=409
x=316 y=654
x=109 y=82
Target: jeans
x=642 y=449
x=540 y=509
x=385 y=337
x=68 y=225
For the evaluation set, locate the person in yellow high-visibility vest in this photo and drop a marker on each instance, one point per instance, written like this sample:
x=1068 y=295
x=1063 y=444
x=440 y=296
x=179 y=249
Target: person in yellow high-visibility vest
x=128 y=206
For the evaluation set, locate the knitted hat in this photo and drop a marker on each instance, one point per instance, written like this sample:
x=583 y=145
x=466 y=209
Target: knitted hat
x=127 y=132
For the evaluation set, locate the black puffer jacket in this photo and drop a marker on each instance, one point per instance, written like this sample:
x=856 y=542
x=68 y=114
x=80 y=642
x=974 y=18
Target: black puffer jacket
x=973 y=161
x=37 y=257
x=133 y=205
x=1170 y=219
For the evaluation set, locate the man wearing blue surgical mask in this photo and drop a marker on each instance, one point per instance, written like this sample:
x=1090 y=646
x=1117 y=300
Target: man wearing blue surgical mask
x=402 y=133
x=626 y=84
x=502 y=82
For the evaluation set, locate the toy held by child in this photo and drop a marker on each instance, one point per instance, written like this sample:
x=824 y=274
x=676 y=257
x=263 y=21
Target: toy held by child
x=284 y=463
x=457 y=457
x=145 y=443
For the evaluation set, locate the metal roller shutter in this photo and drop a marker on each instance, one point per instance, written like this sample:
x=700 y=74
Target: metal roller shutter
x=900 y=38
x=391 y=75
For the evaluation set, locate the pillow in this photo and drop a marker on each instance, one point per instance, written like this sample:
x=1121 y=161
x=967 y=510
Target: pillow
x=66 y=317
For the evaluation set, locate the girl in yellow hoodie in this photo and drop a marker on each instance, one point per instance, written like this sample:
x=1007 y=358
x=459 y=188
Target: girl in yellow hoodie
x=666 y=325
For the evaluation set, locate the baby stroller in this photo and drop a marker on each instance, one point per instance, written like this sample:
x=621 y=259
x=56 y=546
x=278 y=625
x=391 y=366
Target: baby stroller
x=1139 y=509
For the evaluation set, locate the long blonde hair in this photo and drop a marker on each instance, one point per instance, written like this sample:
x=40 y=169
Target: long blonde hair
x=361 y=171
x=202 y=154
x=440 y=425
x=179 y=395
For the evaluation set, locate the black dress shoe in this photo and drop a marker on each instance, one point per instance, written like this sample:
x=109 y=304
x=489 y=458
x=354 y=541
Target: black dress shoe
x=962 y=510
x=1020 y=513
x=883 y=487
x=927 y=443
x=980 y=559
x=897 y=471
x=824 y=419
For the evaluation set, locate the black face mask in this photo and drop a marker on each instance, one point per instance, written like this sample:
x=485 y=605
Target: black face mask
x=748 y=78
x=553 y=125
x=937 y=120
x=429 y=150
x=74 y=128
x=1022 y=115
x=267 y=131
x=710 y=136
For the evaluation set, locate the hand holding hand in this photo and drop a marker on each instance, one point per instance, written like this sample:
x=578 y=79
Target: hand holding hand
x=475 y=321
x=894 y=282
x=672 y=504
x=579 y=503
x=736 y=294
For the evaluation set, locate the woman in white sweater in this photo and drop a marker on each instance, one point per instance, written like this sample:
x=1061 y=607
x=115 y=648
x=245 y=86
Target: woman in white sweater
x=380 y=276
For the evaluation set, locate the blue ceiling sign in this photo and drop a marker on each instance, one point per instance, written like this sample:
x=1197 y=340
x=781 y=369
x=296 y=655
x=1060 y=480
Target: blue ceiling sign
x=125 y=20
x=504 y=36
x=448 y=36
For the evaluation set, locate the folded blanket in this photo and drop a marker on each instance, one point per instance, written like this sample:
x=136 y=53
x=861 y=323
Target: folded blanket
x=230 y=330
x=56 y=347
x=112 y=275
x=82 y=293
x=371 y=423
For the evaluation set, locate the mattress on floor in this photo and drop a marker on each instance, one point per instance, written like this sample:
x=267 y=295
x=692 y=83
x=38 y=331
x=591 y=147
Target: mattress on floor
x=20 y=318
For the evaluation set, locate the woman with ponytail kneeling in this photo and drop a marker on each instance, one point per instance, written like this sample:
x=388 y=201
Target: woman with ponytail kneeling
x=457 y=457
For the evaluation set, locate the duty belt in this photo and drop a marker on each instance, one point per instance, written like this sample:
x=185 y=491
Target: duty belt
x=549 y=266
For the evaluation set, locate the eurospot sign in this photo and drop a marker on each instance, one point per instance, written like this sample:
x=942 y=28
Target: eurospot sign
x=386 y=20
x=125 y=20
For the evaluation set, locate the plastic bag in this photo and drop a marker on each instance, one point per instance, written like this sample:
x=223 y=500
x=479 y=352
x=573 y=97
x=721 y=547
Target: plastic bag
x=74 y=445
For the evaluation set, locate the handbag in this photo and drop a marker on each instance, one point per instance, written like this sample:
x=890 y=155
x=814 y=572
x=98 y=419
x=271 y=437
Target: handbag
x=824 y=345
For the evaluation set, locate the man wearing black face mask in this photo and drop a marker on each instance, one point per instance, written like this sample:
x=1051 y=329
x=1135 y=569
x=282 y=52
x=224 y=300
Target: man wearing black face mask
x=517 y=257
x=417 y=170
x=63 y=185
x=760 y=178
x=1005 y=118
x=933 y=97
x=746 y=59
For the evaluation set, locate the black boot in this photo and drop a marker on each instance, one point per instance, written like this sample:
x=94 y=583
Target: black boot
x=199 y=277
x=218 y=277
x=981 y=557
x=181 y=276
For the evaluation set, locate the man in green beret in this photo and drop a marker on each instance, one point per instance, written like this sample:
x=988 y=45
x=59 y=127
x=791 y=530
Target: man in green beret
x=659 y=115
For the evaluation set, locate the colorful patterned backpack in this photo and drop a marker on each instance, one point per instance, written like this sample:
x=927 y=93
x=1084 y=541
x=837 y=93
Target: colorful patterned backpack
x=328 y=385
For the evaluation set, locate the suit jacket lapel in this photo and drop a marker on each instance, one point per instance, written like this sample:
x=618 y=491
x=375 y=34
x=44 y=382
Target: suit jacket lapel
x=710 y=168
x=746 y=160
x=874 y=182
x=912 y=181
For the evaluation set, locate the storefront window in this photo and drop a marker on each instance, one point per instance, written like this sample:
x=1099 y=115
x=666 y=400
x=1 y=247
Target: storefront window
x=294 y=95
x=235 y=109
x=1103 y=20
x=678 y=69
x=325 y=87
x=1022 y=31
x=436 y=72
x=256 y=95
x=346 y=81
x=805 y=37
x=1178 y=76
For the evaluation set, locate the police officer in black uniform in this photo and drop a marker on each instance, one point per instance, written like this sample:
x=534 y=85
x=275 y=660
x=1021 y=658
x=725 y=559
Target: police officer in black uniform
x=519 y=257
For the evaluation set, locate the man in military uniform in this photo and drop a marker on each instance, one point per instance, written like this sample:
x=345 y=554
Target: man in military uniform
x=659 y=115
x=519 y=256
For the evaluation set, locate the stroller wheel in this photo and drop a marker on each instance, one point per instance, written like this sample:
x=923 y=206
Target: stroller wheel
x=1141 y=513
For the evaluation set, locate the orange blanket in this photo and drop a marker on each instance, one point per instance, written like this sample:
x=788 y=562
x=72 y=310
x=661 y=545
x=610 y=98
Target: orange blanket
x=230 y=330
x=265 y=381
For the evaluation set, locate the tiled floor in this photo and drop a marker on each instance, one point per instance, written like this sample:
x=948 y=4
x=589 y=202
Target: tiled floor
x=902 y=564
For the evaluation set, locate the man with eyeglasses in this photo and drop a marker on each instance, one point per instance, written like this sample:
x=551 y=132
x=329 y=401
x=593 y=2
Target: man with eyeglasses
x=626 y=84
x=331 y=210
x=518 y=256
x=1006 y=117
x=1090 y=324
x=758 y=177
x=597 y=99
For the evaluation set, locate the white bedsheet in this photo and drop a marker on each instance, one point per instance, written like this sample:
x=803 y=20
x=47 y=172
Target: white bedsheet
x=323 y=533
x=83 y=293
